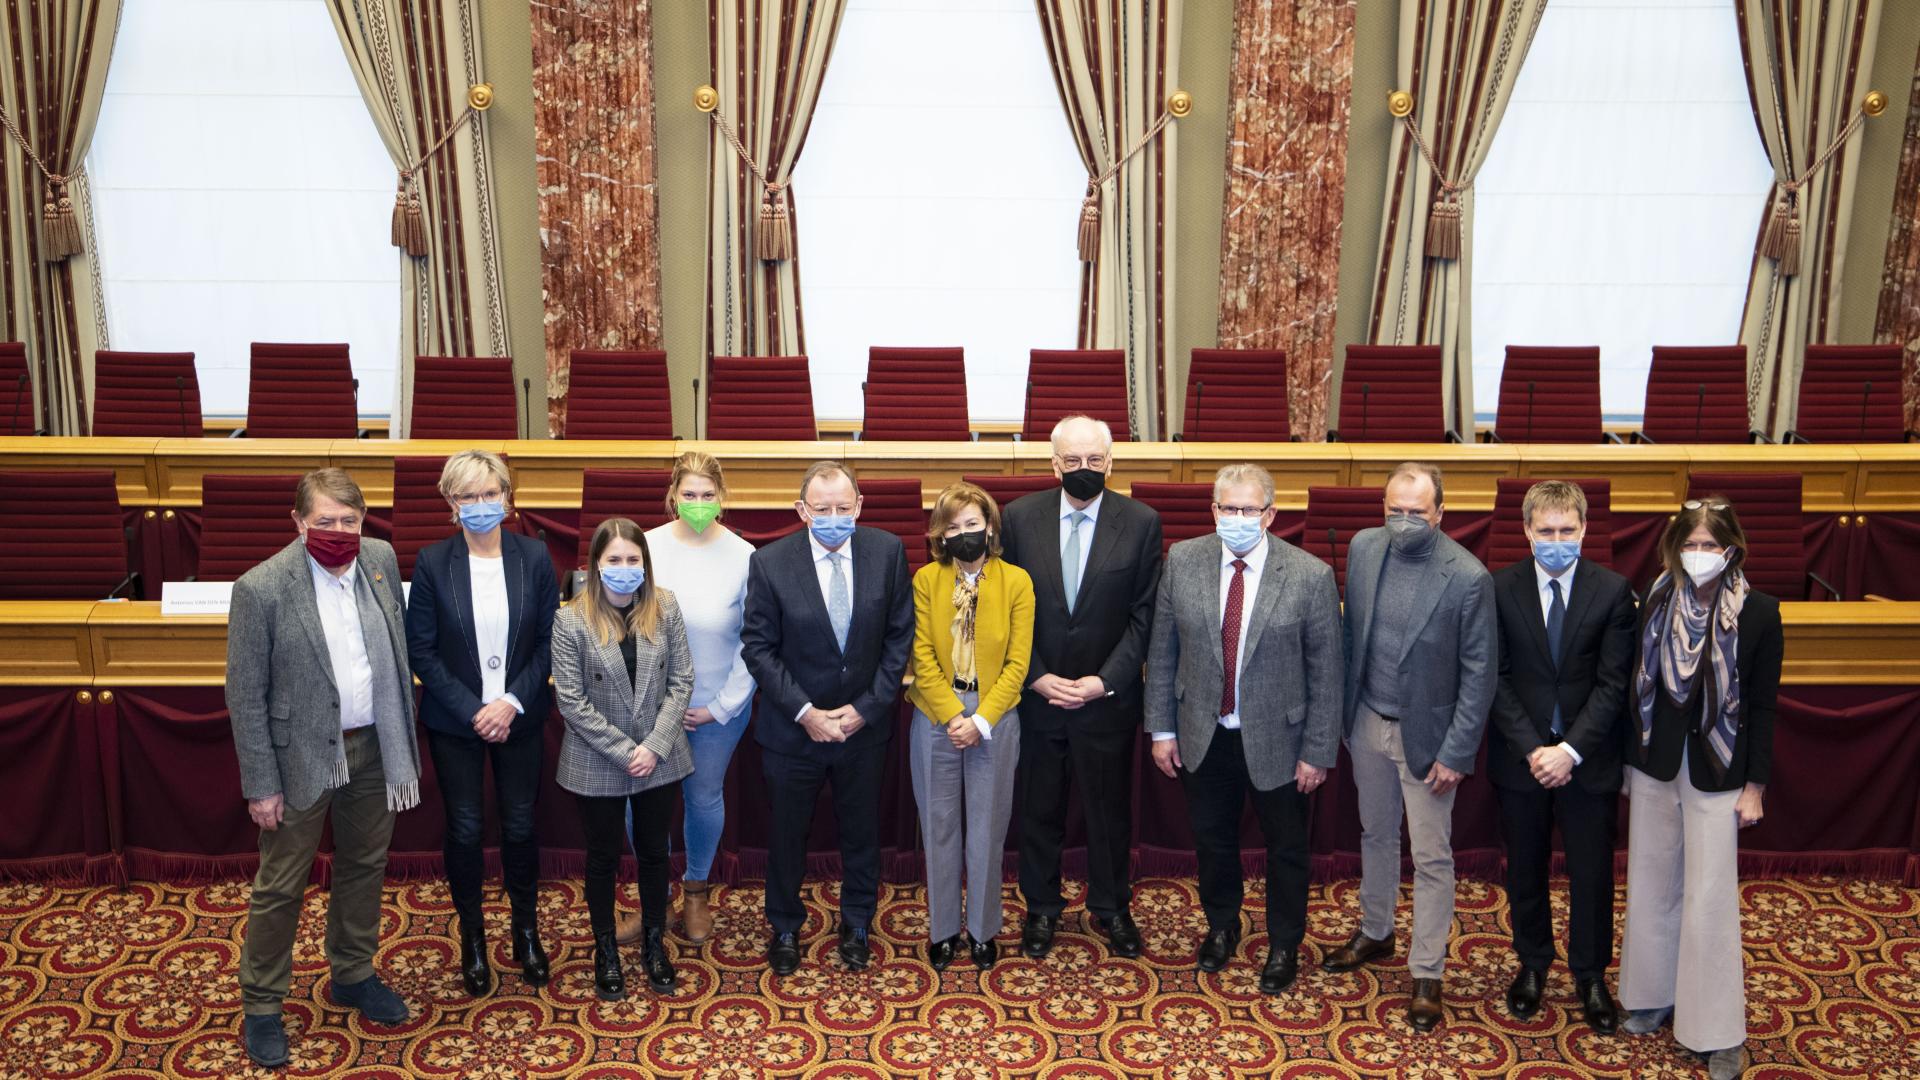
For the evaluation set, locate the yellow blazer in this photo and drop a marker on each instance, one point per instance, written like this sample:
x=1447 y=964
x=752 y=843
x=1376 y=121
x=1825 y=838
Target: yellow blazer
x=1002 y=640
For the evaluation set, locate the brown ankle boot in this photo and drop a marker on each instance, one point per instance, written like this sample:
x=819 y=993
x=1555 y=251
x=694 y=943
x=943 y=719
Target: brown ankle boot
x=696 y=918
x=626 y=927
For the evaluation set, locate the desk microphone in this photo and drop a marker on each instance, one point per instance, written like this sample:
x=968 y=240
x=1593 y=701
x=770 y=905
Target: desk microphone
x=1529 y=410
x=356 y=406
x=180 y=392
x=696 y=407
x=1365 y=389
x=526 y=407
x=19 y=395
x=1866 y=395
x=1199 y=400
x=1699 y=409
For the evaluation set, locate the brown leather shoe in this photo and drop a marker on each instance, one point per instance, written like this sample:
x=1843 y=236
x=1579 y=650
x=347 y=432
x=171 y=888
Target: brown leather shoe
x=626 y=927
x=696 y=918
x=1359 y=949
x=1424 y=1012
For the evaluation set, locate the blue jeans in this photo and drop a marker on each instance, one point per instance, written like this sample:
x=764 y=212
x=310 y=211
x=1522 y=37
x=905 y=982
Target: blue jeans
x=702 y=793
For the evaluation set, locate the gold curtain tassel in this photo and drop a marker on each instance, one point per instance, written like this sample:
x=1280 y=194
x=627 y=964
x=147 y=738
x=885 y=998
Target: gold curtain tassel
x=1773 y=235
x=1089 y=236
x=1790 y=243
x=399 y=232
x=1443 y=229
x=773 y=237
x=60 y=235
x=416 y=227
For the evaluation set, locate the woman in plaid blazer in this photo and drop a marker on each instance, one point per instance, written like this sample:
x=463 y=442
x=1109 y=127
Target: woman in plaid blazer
x=622 y=676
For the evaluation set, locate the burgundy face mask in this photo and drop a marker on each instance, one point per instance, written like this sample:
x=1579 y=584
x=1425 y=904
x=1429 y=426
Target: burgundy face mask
x=332 y=548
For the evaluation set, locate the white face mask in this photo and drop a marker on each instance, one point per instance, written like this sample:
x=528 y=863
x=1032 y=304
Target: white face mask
x=1703 y=566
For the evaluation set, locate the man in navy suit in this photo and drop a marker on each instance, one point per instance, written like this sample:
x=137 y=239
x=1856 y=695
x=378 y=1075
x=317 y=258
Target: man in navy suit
x=827 y=633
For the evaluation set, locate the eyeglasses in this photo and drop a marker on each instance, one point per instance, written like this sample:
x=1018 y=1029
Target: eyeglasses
x=468 y=498
x=1070 y=462
x=1708 y=504
x=1242 y=511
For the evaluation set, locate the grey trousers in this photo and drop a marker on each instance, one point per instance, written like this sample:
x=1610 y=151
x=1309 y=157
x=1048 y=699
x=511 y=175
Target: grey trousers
x=965 y=799
x=1386 y=788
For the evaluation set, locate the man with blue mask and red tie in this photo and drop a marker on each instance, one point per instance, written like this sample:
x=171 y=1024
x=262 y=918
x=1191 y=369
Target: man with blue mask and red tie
x=1566 y=648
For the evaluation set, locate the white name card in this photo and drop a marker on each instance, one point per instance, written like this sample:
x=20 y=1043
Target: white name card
x=195 y=597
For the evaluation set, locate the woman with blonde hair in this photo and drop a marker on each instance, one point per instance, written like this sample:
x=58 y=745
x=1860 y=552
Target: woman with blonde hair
x=973 y=639
x=622 y=676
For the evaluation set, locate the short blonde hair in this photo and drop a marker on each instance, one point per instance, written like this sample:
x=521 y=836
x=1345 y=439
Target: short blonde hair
x=1553 y=495
x=335 y=484
x=694 y=463
x=470 y=467
x=1243 y=473
x=948 y=505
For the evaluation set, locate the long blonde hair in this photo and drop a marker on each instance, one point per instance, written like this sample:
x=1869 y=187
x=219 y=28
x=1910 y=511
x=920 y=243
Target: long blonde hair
x=609 y=623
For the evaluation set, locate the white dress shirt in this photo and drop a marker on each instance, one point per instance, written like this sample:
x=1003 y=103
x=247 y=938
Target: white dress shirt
x=823 y=570
x=1541 y=578
x=1256 y=561
x=491 y=619
x=346 y=642
x=1092 y=510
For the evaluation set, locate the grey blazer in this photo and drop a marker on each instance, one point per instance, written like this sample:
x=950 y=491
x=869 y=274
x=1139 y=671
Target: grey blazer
x=281 y=698
x=1451 y=667
x=1290 y=682
x=607 y=716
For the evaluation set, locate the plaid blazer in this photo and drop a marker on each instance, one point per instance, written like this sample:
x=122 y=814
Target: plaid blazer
x=607 y=716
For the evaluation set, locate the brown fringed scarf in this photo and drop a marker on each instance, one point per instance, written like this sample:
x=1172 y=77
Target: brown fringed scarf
x=966 y=597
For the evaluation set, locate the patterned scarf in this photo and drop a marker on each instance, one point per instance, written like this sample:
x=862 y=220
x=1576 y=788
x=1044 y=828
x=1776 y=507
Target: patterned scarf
x=966 y=597
x=1672 y=645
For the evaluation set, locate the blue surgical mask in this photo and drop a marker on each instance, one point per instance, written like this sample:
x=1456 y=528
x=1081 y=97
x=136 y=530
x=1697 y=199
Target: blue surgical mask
x=483 y=517
x=1555 y=555
x=623 y=580
x=1240 y=534
x=831 y=530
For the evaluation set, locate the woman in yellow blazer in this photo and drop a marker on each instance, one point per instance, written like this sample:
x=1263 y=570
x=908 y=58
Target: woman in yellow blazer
x=973 y=638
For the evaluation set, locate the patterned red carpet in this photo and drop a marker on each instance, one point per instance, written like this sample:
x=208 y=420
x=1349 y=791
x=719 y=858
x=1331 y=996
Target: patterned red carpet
x=106 y=983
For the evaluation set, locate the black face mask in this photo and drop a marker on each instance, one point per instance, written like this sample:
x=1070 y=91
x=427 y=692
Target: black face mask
x=1084 y=484
x=967 y=546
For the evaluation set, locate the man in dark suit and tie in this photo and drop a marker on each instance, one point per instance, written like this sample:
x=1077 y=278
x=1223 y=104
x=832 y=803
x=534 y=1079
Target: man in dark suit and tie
x=1566 y=647
x=1094 y=556
x=828 y=628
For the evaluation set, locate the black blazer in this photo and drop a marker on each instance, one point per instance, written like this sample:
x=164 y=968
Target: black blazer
x=1589 y=681
x=1761 y=649
x=1112 y=619
x=441 y=641
x=787 y=639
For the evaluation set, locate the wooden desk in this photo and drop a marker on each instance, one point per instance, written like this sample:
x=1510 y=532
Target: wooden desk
x=1854 y=643
x=1646 y=479
x=370 y=461
x=547 y=473
x=134 y=645
x=179 y=465
x=45 y=643
x=1295 y=466
x=130 y=460
x=1471 y=473
x=1827 y=473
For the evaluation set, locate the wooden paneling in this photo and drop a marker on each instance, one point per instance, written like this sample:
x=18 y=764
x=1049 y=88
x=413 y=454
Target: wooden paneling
x=547 y=472
x=44 y=643
x=180 y=464
x=1471 y=473
x=1889 y=476
x=130 y=460
x=134 y=645
x=370 y=461
x=1859 y=643
x=1646 y=479
x=935 y=464
x=1295 y=466
x=1826 y=472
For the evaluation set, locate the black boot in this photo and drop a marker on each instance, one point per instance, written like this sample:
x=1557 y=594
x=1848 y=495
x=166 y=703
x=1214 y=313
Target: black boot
x=474 y=970
x=528 y=953
x=609 y=982
x=653 y=957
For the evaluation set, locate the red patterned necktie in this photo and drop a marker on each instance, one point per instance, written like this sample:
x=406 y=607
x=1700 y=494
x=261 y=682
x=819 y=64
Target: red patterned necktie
x=1230 y=636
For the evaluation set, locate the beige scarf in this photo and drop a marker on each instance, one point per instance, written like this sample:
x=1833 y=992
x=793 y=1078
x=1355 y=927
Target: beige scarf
x=966 y=597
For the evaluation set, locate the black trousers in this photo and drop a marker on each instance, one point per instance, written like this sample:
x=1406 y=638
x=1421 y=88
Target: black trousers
x=1100 y=761
x=1586 y=831
x=1216 y=792
x=793 y=790
x=461 y=764
x=605 y=821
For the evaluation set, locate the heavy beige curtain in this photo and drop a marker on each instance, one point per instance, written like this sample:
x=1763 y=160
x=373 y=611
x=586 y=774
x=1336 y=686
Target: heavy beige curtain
x=769 y=58
x=1460 y=60
x=414 y=61
x=1897 y=319
x=1115 y=63
x=56 y=54
x=1806 y=65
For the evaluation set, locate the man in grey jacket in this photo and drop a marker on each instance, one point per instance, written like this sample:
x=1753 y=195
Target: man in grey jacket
x=1422 y=639
x=1243 y=698
x=321 y=701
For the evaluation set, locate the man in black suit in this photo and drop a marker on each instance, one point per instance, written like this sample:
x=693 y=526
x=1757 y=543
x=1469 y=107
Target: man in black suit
x=1566 y=647
x=828 y=628
x=1094 y=556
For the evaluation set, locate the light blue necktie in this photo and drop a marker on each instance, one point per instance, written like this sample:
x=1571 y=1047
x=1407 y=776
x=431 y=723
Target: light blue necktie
x=839 y=600
x=1070 y=559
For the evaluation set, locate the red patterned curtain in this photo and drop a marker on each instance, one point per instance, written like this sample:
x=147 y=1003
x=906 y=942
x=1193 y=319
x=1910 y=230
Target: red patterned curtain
x=1898 y=319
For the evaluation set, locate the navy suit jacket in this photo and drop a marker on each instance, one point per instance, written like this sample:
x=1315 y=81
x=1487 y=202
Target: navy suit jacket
x=787 y=639
x=441 y=641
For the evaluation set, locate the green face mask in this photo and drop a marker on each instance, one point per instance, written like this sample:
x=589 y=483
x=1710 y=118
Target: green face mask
x=699 y=515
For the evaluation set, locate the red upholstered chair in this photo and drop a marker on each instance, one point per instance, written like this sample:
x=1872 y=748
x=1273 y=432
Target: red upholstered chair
x=1697 y=394
x=1549 y=394
x=639 y=494
x=464 y=397
x=1186 y=510
x=1334 y=516
x=760 y=397
x=915 y=394
x=1062 y=382
x=1391 y=393
x=243 y=521
x=420 y=514
x=893 y=504
x=1768 y=505
x=619 y=395
x=1508 y=543
x=1006 y=489
x=301 y=392
x=1237 y=395
x=62 y=537
x=146 y=395
x=17 y=384
x=1850 y=393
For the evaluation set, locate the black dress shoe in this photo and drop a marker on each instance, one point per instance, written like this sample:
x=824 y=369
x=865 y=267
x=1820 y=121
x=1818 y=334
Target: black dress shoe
x=940 y=953
x=854 y=950
x=528 y=953
x=474 y=970
x=1523 y=994
x=1036 y=934
x=985 y=953
x=265 y=1037
x=1218 y=948
x=609 y=982
x=1122 y=935
x=1280 y=970
x=783 y=954
x=654 y=958
x=1602 y=1014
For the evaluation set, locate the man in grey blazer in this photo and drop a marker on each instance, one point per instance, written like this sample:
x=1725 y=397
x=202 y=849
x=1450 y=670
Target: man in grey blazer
x=321 y=702
x=1243 y=698
x=1422 y=638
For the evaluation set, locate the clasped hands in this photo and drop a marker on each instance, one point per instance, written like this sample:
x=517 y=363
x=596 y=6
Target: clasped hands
x=831 y=725
x=1069 y=693
x=494 y=721
x=1552 y=766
